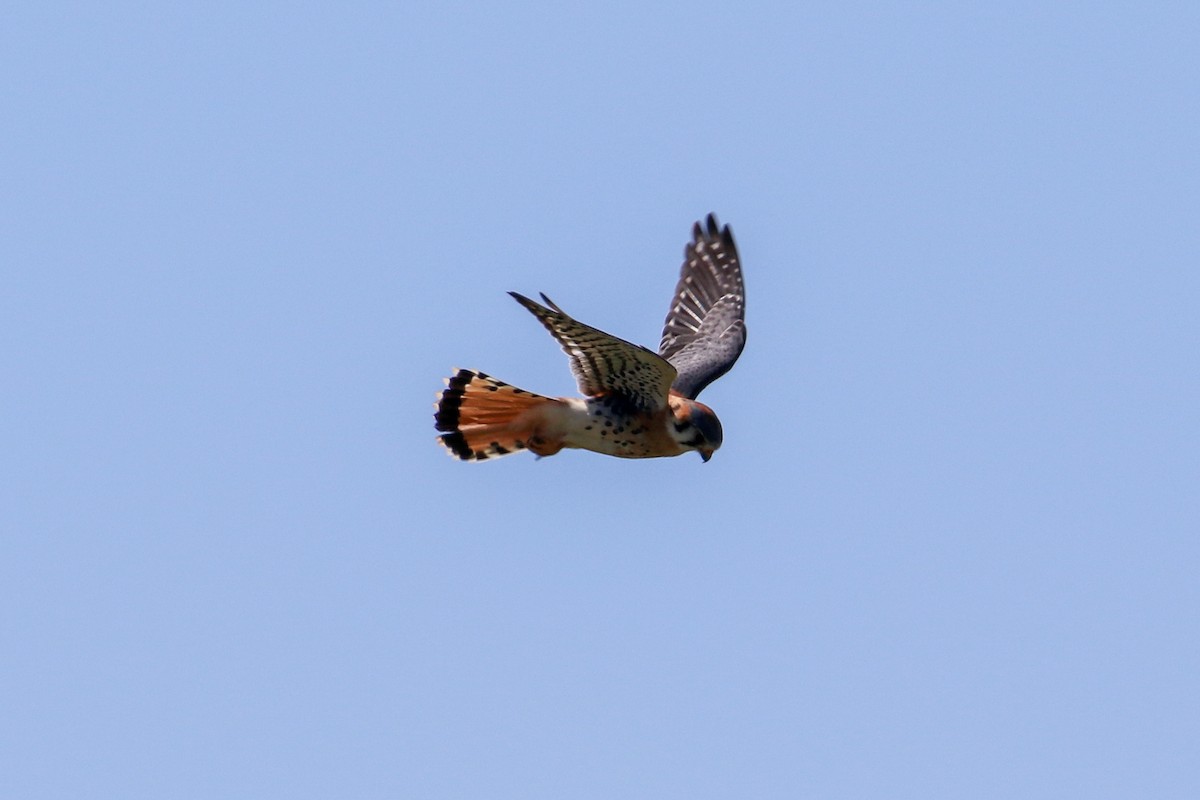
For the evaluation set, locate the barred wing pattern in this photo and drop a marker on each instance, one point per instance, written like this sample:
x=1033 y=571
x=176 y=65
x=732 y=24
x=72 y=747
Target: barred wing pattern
x=705 y=329
x=603 y=364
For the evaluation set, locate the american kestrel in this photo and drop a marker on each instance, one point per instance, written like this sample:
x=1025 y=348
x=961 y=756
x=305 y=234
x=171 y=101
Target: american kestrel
x=638 y=403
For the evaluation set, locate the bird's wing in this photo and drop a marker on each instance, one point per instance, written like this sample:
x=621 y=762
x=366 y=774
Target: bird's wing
x=705 y=329
x=603 y=364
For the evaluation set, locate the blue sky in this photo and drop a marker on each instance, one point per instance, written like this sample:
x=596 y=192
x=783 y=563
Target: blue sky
x=949 y=548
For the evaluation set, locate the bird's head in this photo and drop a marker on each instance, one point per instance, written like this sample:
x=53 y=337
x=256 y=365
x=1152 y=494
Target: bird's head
x=695 y=426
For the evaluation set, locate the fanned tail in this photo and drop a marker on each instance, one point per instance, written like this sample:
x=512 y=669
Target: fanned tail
x=482 y=418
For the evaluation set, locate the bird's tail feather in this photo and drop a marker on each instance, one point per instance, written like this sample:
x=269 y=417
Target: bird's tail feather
x=483 y=418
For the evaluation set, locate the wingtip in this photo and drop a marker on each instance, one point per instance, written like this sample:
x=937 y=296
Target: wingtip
x=530 y=305
x=710 y=229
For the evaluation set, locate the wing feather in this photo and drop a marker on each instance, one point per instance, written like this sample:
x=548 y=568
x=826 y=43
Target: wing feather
x=705 y=330
x=603 y=364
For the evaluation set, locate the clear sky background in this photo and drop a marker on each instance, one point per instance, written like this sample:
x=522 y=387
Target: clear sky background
x=949 y=549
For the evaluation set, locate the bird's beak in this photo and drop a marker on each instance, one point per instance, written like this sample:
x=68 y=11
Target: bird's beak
x=706 y=455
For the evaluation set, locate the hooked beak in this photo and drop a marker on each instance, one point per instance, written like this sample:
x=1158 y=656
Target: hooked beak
x=706 y=455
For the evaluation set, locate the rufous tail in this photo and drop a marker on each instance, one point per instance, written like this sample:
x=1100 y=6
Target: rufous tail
x=482 y=418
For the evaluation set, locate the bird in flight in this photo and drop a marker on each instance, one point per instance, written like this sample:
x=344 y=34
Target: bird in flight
x=636 y=403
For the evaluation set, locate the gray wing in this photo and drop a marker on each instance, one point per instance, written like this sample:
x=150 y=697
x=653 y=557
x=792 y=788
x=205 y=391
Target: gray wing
x=603 y=364
x=705 y=329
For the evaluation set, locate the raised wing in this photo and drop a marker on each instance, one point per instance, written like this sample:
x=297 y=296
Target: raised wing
x=603 y=364
x=705 y=329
